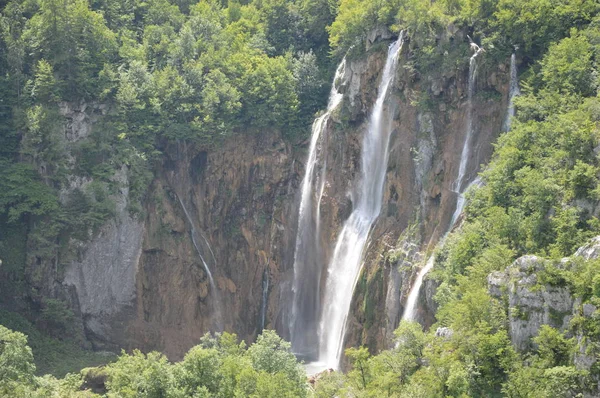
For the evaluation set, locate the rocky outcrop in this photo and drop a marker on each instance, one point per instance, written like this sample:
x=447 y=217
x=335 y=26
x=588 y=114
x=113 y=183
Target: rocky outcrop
x=532 y=304
x=102 y=280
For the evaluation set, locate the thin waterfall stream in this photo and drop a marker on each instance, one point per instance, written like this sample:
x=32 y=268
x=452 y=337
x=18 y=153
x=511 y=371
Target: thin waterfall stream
x=211 y=281
x=514 y=91
x=345 y=265
x=264 y=298
x=411 y=302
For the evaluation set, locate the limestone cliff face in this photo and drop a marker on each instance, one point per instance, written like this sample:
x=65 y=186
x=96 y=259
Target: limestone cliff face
x=143 y=282
x=425 y=150
x=532 y=304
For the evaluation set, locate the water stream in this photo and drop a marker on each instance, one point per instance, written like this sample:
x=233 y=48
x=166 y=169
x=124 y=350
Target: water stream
x=466 y=151
x=411 y=302
x=345 y=265
x=213 y=288
x=307 y=260
x=265 y=298
x=514 y=91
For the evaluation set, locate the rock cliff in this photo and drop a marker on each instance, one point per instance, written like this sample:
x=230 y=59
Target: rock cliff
x=141 y=281
x=533 y=302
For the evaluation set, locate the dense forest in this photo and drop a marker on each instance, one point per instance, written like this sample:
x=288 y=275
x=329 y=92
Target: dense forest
x=163 y=71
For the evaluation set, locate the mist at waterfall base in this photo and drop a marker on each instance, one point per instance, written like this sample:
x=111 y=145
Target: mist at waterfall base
x=346 y=261
x=411 y=302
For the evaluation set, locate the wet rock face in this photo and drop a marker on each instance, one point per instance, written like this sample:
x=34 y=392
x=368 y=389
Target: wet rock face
x=424 y=157
x=141 y=283
x=239 y=198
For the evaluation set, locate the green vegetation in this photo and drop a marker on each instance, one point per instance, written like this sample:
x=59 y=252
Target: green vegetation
x=55 y=352
x=158 y=72
x=219 y=367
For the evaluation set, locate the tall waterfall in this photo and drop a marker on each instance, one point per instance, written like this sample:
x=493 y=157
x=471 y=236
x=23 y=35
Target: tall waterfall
x=513 y=92
x=213 y=287
x=345 y=265
x=411 y=302
x=307 y=263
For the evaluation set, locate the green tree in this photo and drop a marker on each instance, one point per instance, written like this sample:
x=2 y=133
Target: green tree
x=16 y=362
x=138 y=375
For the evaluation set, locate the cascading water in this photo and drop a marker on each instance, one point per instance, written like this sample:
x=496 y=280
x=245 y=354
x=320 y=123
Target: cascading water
x=193 y=232
x=514 y=91
x=307 y=264
x=411 y=301
x=345 y=265
x=461 y=201
x=195 y=242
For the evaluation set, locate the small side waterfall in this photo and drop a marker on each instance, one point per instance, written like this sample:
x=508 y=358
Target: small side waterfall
x=213 y=287
x=307 y=264
x=195 y=242
x=344 y=268
x=411 y=301
x=513 y=92
x=466 y=151
x=264 y=298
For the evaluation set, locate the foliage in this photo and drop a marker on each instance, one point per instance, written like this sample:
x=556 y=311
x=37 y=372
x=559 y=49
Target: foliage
x=219 y=367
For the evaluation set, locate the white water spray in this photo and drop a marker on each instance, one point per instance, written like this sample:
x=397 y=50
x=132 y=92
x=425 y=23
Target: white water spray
x=307 y=264
x=343 y=271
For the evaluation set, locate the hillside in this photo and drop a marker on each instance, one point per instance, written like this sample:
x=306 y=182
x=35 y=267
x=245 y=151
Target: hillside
x=406 y=191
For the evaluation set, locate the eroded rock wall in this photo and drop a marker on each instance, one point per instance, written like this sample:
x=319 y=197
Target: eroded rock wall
x=141 y=282
x=532 y=303
x=425 y=150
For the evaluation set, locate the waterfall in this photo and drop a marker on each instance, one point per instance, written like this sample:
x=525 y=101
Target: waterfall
x=195 y=242
x=345 y=265
x=461 y=201
x=193 y=232
x=464 y=158
x=513 y=92
x=265 y=297
x=307 y=264
x=411 y=302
